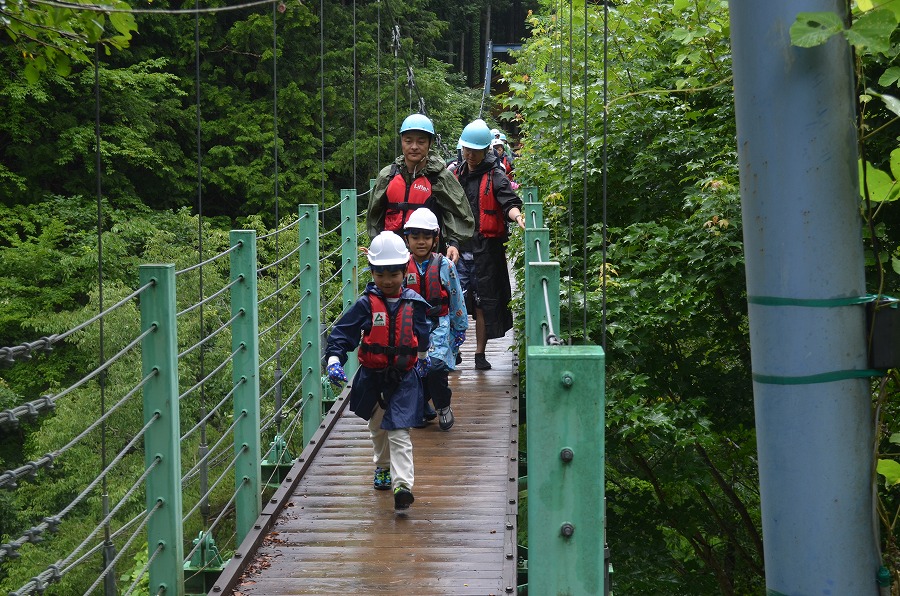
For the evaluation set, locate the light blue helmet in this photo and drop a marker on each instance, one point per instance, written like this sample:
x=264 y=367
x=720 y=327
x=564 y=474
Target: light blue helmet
x=459 y=144
x=476 y=135
x=502 y=137
x=417 y=122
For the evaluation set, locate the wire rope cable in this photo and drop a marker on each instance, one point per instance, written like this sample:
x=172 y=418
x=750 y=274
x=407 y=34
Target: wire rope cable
x=569 y=174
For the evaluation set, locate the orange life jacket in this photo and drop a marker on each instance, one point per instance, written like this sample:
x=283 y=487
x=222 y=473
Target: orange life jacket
x=490 y=214
x=429 y=285
x=402 y=200
x=392 y=340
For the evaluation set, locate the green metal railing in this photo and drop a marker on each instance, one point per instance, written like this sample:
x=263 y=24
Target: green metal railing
x=565 y=433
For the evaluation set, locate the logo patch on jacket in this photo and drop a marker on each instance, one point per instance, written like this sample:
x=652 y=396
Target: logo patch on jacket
x=410 y=279
x=422 y=187
x=378 y=319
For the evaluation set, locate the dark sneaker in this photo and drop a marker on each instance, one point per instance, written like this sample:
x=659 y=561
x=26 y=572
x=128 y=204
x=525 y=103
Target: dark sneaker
x=481 y=362
x=403 y=497
x=458 y=358
x=382 y=479
x=446 y=418
x=430 y=414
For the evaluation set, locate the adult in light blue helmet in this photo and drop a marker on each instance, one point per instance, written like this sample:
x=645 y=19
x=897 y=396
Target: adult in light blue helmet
x=419 y=178
x=483 y=270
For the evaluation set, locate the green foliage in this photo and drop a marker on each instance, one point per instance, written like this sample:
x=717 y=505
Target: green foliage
x=51 y=38
x=683 y=508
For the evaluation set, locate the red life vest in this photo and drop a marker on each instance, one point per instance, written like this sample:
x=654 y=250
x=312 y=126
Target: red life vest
x=392 y=340
x=429 y=285
x=402 y=200
x=490 y=214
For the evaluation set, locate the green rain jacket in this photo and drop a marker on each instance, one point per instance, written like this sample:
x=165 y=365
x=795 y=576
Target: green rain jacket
x=454 y=211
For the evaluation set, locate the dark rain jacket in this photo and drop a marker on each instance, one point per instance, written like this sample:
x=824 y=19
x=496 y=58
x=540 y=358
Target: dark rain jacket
x=491 y=270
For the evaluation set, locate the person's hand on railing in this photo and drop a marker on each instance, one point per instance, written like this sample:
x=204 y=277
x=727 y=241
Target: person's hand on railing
x=336 y=375
x=459 y=338
x=423 y=365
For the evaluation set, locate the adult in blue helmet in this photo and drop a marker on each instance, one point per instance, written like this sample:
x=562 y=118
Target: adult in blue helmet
x=419 y=178
x=482 y=268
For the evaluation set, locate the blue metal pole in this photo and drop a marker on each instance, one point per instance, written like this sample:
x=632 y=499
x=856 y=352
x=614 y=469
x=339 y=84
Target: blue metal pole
x=802 y=242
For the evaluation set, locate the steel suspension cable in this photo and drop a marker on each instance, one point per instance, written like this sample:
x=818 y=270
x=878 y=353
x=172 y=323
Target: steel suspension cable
x=202 y=448
x=605 y=177
x=108 y=549
x=277 y=373
x=569 y=183
x=378 y=91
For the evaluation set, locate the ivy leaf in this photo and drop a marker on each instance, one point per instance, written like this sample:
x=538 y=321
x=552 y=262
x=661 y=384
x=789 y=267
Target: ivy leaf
x=815 y=28
x=890 y=469
x=873 y=31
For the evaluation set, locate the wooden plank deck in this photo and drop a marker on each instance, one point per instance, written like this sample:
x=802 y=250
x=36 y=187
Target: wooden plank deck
x=334 y=534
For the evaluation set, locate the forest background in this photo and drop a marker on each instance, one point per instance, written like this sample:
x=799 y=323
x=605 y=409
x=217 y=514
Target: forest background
x=682 y=485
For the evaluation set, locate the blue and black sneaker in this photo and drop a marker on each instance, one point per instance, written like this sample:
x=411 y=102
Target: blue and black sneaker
x=382 y=479
x=403 y=497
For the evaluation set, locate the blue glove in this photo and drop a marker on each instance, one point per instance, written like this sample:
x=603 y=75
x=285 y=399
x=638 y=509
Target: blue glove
x=459 y=337
x=423 y=365
x=336 y=375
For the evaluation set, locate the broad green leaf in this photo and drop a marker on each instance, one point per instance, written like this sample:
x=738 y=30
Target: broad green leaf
x=895 y=438
x=873 y=31
x=890 y=469
x=815 y=28
x=895 y=163
x=123 y=22
x=32 y=74
x=889 y=77
x=895 y=265
x=680 y=5
x=865 y=5
x=881 y=187
x=890 y=102
x=63 y=65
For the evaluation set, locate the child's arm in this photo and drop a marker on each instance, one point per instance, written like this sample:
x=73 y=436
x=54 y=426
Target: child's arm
x=459 y=318
x=347 y=331
x=422 y=327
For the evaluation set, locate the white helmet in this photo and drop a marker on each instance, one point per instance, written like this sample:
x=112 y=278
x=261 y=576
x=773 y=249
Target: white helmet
x=422 y=219
x=387 y=249
x=495 y=133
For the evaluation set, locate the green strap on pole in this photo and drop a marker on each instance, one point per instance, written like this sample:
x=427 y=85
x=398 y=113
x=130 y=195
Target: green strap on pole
x=311 y=316
x=159 y=355
x=245 y=376
x=349 y=263
x=565 y=411
x=828 y=377
x=815 y=302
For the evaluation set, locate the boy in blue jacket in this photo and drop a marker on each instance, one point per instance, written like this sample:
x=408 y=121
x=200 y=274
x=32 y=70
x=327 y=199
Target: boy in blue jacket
x=389 y=325
x=433 y=276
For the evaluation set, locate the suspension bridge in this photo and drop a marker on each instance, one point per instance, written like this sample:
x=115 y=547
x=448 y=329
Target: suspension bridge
x=251 y=478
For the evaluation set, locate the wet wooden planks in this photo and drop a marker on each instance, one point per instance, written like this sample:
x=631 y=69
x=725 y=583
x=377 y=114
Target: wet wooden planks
x=335 y=534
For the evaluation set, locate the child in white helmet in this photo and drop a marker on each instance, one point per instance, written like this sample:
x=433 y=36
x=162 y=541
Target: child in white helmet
x=389 y=324
x=433 y=276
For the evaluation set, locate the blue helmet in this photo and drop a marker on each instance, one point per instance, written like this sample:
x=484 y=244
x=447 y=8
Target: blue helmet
x=476 y=135
x=417 y=122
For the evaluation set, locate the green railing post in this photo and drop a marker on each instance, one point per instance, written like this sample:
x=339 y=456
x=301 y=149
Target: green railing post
x=245 y=376
x=311 y=315
x=565 y=469
x=532 y=207
x=537 y=240
x=536 y=310
x=162 y=442
x=349 y=263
